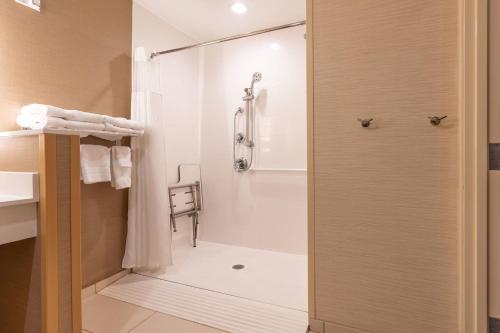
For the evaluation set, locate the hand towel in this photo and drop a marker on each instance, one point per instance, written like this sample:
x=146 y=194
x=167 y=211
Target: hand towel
x=116 y=129
x=95 y=164
x=43 y=110
x=40 y=121
x=121 y=167
x=124 y=123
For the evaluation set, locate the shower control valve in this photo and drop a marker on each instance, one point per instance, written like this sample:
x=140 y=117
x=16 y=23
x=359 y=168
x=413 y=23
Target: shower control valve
x=241 y=164
x=239 y=138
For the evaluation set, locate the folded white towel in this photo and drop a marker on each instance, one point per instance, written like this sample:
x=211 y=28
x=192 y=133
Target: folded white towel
x=121 y=167
x=124 y=123
x=53 y=111
x=76 y=115
x=116 y=129
x=83 y=125
x=43 y=110
x=40 y=116
x=95 y=164
x=40 y=121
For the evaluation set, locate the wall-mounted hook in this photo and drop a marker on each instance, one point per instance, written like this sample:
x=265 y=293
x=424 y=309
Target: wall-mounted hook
x=436 y=121
x=365 y=122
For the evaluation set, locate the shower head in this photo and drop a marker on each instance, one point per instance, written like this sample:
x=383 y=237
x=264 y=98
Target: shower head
x=256 y=77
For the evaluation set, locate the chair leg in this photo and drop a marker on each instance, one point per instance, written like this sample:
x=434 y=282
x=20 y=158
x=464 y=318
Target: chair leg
x=195 y=228
x=173 y=223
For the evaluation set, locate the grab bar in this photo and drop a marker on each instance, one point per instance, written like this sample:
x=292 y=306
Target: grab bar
x=277 y=170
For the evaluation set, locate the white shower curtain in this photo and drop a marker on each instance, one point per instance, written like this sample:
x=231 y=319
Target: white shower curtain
x=149 y=237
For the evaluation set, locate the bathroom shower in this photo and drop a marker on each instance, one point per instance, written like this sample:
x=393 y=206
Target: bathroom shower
x=246 y=138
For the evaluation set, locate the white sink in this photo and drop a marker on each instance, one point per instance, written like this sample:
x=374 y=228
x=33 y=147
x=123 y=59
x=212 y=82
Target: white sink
x=19 y=194
x=18 y=188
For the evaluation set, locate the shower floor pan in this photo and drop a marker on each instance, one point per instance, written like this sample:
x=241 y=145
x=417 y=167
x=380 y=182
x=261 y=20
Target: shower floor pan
x=269 y=277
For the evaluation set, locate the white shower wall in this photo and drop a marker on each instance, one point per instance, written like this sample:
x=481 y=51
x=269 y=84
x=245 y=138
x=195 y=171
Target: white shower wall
x=180 y=76
x=181 y=87
x=262 y=209
x=202 y=90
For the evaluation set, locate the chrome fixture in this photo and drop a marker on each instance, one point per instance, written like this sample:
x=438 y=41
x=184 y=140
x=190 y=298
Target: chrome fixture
x=365 y=122
x=436 y=121
x=240 y=138
x=241 y=164
x=227 y=39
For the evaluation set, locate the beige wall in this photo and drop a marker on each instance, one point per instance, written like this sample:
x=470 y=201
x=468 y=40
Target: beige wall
x=494 y=176
x=386 y=213
x=104 y=228
x=73 y=54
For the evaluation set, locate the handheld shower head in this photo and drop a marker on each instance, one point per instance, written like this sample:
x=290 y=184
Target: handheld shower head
x=256 y=77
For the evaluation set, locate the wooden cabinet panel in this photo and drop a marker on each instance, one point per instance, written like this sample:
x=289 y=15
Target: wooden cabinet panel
x=494 y=244
x=386 y=197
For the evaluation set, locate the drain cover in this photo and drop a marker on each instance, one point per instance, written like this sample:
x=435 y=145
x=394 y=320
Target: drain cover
x=238 y=267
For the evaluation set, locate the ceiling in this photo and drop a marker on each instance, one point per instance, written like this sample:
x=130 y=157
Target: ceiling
x=211 y=19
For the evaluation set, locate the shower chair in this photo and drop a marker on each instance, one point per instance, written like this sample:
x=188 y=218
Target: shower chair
x=185 y=200
x=185 y=197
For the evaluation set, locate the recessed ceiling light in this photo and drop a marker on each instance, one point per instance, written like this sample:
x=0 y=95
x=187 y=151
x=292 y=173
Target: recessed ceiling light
x=239 y=8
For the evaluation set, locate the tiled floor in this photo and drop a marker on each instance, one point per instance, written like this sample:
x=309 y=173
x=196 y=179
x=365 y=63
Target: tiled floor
x=268 y=295
x=225 y=312
x=102 y=314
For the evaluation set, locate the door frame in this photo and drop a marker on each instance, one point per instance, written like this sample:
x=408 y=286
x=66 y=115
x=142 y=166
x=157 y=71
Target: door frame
x=473 y=224
x=473 y=50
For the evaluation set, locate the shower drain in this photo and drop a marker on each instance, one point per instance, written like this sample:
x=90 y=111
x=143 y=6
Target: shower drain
x=238 y=266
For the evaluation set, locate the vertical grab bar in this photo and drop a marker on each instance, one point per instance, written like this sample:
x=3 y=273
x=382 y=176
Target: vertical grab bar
x=234 y=135
x=241 y=164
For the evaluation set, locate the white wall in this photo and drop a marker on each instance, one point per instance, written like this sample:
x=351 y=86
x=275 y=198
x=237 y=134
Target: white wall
x=202 y=90
x=264 y=210
x=180 y=75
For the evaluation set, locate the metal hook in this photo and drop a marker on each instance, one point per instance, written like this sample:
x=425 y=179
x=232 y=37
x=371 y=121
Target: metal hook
x=436 y=121
x=365 y=122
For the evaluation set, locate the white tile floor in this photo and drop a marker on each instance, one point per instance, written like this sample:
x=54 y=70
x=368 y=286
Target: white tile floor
x=268 y=295
x=102 y=314
x=269 y=277
x=222 y=311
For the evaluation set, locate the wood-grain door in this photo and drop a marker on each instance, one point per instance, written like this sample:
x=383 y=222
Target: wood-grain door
x=387 y=196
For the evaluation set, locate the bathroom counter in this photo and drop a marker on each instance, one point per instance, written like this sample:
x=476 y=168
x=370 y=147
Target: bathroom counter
x=19 y=194
x=13 y=134
x=8 y=200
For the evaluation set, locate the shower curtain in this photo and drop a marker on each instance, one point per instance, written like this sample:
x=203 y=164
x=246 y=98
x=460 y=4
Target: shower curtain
x=149 y=238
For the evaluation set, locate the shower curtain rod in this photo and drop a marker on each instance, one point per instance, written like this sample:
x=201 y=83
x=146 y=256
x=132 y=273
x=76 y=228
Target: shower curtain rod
x=227 y=39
